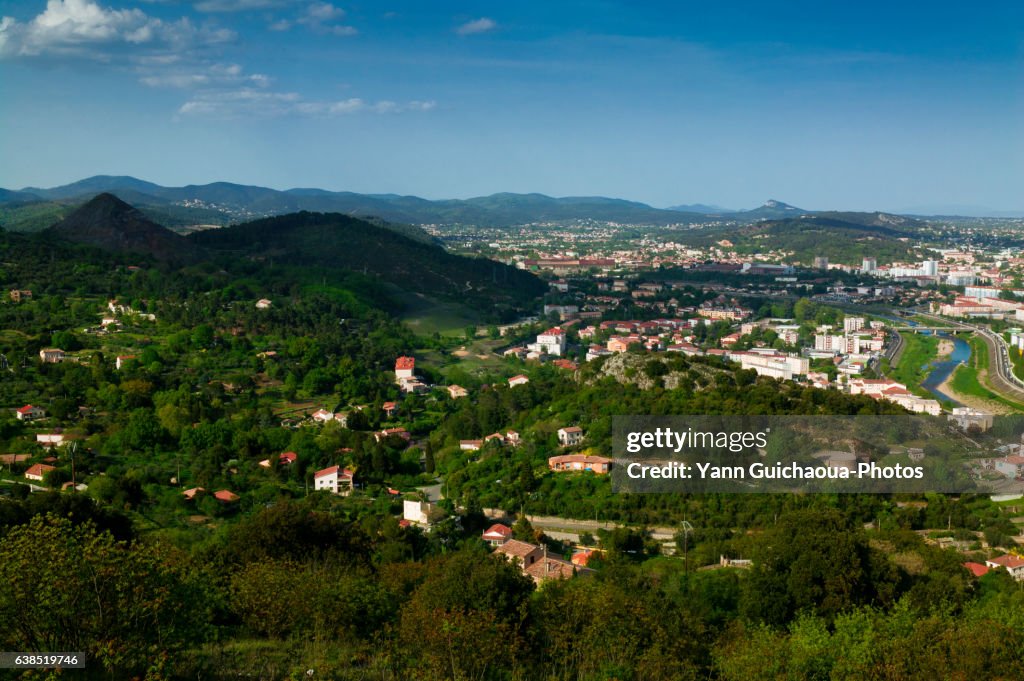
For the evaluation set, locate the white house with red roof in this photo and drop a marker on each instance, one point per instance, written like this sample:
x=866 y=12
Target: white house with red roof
x=38 y=471
x=551 y=342
x=497 y=534
x=518 y=380
x=323 y=416
x=1012 y=564
x=122 y=360
x=405 y=367
x=334 y=479
x=29 y=413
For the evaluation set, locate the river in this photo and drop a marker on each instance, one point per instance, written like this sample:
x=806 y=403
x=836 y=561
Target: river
x=941 y=369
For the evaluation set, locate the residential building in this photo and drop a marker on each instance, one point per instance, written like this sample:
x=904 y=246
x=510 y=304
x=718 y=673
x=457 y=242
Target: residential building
x=421 y=513
x=226 y=496
x=404 y=367
x=518 y=380
x=579 y=462
x=551 y=342
x=263 y=304
x=51 y=355
x=334 y=479
x=29 y=413
x=497 y=534
x=38 y=471
x=520 y=553
x=773 y=365
x=968 y=417
x=567 y=437
x=50 y=439
x=1012 y=564
x=853 y=324
x=457 y=391
x=122 y=360
x=1011 y=466
x=323 y=416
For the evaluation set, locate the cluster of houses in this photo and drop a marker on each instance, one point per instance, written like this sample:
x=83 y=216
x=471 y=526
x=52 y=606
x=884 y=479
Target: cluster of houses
x=888 y=389
x=1014 y=565
x=982 y=302
x=534 y=561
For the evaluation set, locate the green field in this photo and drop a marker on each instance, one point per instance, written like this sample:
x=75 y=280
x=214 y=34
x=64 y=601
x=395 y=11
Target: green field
x=965 y=378
x=918 y=352
x=442 y=317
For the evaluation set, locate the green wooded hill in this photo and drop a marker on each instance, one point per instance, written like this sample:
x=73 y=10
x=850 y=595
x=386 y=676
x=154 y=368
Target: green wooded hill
x=109 y=223
x=331 y=240
x=841 y=237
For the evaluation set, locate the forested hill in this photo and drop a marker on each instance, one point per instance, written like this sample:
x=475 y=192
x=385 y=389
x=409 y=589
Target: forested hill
x=109 y=223
x=332 y=240
x=841 y=237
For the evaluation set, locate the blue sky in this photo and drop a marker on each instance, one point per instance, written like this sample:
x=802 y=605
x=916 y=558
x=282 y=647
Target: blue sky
x=865 y=105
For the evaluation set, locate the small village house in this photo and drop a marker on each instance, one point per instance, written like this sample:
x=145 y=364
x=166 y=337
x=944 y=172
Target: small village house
x=38 y=471
x=29 y=413
x=567 y=437
x=334 y=479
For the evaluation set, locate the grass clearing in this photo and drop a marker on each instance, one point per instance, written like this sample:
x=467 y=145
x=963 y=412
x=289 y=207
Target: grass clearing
x=918 y=351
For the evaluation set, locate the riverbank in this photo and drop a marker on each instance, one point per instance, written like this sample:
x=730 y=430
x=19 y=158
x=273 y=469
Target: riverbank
x=968 y=377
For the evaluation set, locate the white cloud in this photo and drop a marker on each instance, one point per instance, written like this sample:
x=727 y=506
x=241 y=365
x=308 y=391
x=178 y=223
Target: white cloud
x=282 y=25
x=323 y=17
x=83 y=28
x=247 y=102
x=238 y=5
x=216 y=75
x=481 y=25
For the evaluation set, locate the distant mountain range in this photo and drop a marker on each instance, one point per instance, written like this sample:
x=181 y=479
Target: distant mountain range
x=222 y=203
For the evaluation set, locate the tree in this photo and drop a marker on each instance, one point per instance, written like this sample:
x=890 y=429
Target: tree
x=815 y=561
x=123 y=606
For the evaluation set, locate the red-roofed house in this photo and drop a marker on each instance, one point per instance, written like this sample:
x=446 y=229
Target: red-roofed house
x=38 y=472
x=122 y=360
x=335 y=479
x=323 y=416
x=1013 y=564
x=388 y=432
x=977 y=569
x=518 y=380
x=580 y=462
x=497 y=534
x=404 y=367
x=226 y=496
x=29 y=413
